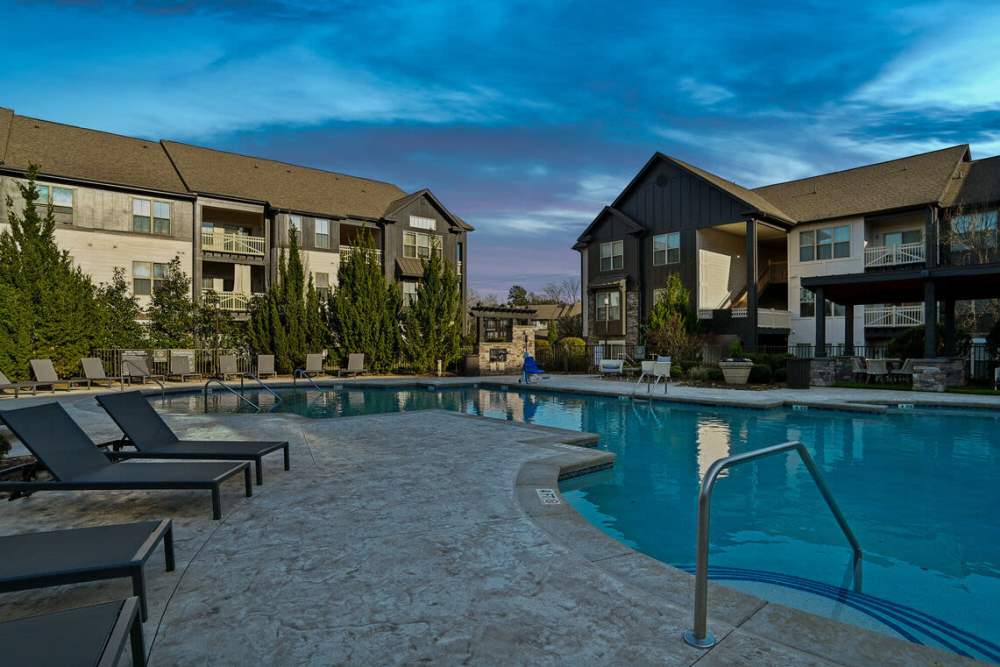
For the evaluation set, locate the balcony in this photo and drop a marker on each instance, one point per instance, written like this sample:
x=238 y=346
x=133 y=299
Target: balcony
x=346 y=250
x=894 y=316
x=767 y=318
x=894 y=255
x=237 y=244
x=234 y=302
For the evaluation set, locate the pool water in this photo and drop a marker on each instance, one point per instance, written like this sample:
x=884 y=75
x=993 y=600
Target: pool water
x=920 y=488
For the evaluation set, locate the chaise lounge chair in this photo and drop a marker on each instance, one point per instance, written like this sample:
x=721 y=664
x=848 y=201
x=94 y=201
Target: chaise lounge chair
x=180 y=368
x=229 y=367
x=135 y=368
x=84 y=636
x=93 y=370
x=355 y=364
x=76 y=464
x=314 y=366
x=45 y=375
x=530 y=369
x=265 y=365
x=611 y=367
x=18 y=387
x=153 y=438
x=54 y=558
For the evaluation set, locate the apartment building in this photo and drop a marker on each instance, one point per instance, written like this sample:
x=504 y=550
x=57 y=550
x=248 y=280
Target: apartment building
x=136 y=204
x=829 y=262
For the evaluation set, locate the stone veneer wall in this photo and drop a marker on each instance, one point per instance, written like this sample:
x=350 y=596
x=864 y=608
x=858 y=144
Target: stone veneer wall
x=515 y=351
x=824 y=372
x=938 y=374
x=631 y=318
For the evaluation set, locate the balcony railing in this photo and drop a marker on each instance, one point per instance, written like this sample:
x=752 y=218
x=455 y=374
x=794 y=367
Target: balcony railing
x=346 y=250
x=767 y=318
x=893 y=255
x=236 y=302
x=239 y=244
x=894 y=316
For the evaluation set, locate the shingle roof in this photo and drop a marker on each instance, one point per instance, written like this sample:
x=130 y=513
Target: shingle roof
x=909 y=181
x=413 y=196
x=73 y=152
x=977 y=182
x=554 y=311
x=755 y=200
x=283 y=185
x=6 y=115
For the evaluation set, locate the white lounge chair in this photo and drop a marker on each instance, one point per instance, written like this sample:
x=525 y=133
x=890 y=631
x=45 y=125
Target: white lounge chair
x=265 y=365
x=180 y=367
x=611 y=367
x=355 y=364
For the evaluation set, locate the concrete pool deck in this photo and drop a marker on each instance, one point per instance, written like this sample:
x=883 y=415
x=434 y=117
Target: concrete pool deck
x=416 y=537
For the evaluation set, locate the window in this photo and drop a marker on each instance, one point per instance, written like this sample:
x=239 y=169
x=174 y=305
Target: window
x=322 y=233
x=146 y=277
x=825 y=243
x=322 y=281
x=150 y=216
x=295 y=222
x=409 y=292
x=423 y=223
x=667 y=249
x=420 y=245
x=974 y=230
x=904 y=237
x=807 y=305
x=498 y=330
x=612 y=254
x=458 y=257
x=60 y=198
x=608 y=306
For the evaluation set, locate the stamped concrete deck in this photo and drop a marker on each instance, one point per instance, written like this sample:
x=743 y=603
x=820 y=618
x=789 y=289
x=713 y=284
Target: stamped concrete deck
x=416 y=537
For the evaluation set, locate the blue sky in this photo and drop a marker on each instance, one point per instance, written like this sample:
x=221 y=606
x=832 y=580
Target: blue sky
x=524 y=118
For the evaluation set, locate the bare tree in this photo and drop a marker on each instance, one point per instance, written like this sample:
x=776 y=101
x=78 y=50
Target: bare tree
x=565 y=291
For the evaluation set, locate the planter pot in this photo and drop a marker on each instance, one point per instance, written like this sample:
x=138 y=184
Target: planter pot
x=736 y=372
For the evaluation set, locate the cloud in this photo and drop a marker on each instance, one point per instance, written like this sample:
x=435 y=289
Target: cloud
x=707 y=94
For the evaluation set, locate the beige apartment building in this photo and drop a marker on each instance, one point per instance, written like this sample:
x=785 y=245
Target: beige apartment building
x=136 y=204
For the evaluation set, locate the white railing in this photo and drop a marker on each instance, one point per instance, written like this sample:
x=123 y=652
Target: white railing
x=768 y=318
x=705 y=313
x=346 y=250
x=231 y=301
x=740 y=313
x=894 y=316
x=234 y=243
x=892 y=255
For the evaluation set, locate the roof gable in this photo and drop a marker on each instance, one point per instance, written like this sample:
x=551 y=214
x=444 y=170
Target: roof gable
x=975 y=182
x=282 y=185
x=609 y=212
x=905 y=182
x=6 y=116
x=89 y=155
x=398 y=205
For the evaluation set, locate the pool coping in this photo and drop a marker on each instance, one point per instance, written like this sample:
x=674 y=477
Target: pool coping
x=732 y=612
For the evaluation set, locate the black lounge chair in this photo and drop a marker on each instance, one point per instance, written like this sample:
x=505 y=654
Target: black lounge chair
x=153 y=439
x=18 y=386
x=54 y=558
x=76 y=464
x=92 y=636
x=45 y=375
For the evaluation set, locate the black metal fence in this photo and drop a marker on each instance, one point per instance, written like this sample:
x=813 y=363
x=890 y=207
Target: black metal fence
x=204 y=360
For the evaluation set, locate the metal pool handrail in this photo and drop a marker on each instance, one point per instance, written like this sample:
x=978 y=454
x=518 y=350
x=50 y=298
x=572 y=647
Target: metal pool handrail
x=699 y=636
x=277 y=399
x=301 y=373
x=232 y=391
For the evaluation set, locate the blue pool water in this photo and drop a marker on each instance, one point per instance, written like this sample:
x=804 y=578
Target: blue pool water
x=920 y=488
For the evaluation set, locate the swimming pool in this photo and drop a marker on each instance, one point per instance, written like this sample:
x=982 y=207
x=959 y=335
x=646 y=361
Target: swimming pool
x=920 y=488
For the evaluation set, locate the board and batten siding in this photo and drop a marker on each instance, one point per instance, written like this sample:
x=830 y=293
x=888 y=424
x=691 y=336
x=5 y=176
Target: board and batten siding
x=422 y=207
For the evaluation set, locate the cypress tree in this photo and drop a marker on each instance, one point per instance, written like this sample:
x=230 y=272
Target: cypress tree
x=120 y=312
x=52 y=307
x=171 y=315
x=433 y=323
x=364 y=310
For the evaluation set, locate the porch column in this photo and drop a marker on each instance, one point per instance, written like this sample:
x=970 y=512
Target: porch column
x=930 y=320
x=849 y=330
x=930 y=238
x=949 y=327
x=751 y=341
x=820 y=322
x=196 y=256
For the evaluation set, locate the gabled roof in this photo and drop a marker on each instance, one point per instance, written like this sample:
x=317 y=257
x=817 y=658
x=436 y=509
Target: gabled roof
x=902 y=183
x=403 y=202
x=76 y=153
x=975 y=182
x=631 y=226
x=284 y=186
x=6 y=116
x=555 y=311
x=748 y=197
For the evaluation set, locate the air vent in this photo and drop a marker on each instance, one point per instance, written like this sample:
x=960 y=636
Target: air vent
x=662 y=180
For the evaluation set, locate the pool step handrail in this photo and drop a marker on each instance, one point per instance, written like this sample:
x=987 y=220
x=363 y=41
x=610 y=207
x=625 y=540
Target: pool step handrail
x=699 y=636
x=301 y=373
x=237 y=394
x=277 y=399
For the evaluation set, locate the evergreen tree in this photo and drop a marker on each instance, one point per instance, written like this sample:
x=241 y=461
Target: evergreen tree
x=52 y=307
x=433 y=323
x=213 y=326
x=364 y=309
x=316 y=332
x=171 y=315
x=120 y=312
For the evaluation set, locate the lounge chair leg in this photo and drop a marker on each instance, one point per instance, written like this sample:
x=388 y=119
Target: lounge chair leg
x=168 y=548
x=288 y=465
x=216 y=503
x=246 y=482
x=139 y=590
x=138 y=645
x=259 y=469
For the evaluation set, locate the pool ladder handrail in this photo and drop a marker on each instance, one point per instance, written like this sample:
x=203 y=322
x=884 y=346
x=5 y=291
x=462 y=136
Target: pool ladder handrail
x=232 y=391
x=699 y=636
x=301 y=373
x=277 y=399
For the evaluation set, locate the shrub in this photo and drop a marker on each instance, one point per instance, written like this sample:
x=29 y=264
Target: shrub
x=910 y=343
x=676 y=372
x=542 y=346
x=760 y=374
x=705 y=374
x=572 y=341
